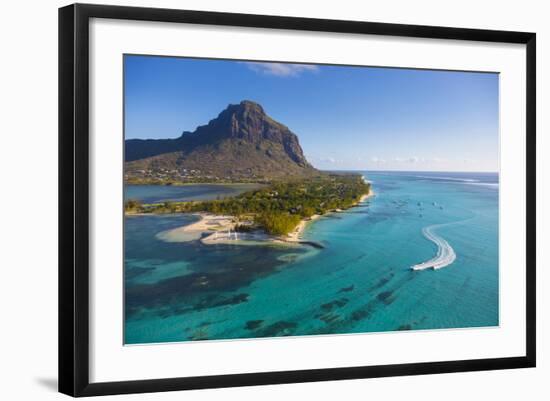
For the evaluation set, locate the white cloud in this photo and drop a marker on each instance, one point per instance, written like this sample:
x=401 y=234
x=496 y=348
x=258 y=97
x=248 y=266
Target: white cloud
x=330 y=160
x=416 y=159
x=376 y=159
x=281 y=69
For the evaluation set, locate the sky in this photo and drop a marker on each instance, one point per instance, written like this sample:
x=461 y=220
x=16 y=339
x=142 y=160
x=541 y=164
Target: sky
x=346 y=117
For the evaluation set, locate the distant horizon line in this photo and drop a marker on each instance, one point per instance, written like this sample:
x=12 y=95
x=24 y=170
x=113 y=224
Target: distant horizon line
x=410 y=171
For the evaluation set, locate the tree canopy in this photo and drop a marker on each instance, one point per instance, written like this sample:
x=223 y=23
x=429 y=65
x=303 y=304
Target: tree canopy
x=279 y=207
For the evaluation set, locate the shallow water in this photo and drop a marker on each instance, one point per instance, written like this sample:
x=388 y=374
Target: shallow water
x=360 y=282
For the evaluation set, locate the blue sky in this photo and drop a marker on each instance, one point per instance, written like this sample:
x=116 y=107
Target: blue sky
x=345 y=117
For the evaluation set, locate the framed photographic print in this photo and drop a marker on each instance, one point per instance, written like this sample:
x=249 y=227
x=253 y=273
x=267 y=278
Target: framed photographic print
x=249 y=199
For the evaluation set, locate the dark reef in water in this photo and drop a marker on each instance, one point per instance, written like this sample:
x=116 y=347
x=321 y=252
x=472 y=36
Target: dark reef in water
x=386 y=297
x=347 y=289
x=281 y=328
x=329 y=317
x=195 y=291
x=382 y=282
x=253 y=324
x=213 y=302
x=362 y=313
x=337 y=303
x=313 y=244
x=133 y=272
x=199 y=335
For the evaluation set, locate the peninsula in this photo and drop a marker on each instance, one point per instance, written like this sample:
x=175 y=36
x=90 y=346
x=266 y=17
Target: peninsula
x=278 y=212
x=242 y=144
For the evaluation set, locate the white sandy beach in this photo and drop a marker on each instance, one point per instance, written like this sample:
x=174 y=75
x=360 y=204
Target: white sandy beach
x=207 y=223
x=296 y=234
x=218 y=229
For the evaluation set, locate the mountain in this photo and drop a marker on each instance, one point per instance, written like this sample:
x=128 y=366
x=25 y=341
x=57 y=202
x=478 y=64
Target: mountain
x=242 y=143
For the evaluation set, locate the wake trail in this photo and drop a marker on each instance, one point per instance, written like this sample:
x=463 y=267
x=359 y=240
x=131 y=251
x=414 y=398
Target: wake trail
x=445 y=252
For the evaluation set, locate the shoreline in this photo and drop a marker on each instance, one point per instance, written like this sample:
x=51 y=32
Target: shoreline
x=295 y=235
x=207 y=223
x=214 y=229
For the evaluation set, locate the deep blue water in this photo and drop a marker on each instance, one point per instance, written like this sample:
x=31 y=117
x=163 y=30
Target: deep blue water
x=360 y=282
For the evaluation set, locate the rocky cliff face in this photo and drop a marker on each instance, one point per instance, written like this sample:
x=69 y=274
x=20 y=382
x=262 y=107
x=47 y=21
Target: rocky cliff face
x=243 y=142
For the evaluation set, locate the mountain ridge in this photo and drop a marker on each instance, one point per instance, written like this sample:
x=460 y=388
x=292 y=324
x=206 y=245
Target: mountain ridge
x=241 y=144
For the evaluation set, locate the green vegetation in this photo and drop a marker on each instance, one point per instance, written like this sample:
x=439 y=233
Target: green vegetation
x=277 y=208
x=133 y=206
x=278 y=223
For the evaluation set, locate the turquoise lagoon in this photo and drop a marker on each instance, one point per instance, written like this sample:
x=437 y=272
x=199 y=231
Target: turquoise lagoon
x=361 y=281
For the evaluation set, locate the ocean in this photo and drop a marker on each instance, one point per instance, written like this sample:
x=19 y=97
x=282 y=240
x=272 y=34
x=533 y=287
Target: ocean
x=361 y=281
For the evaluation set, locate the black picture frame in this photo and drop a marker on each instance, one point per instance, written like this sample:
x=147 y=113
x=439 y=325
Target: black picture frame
x=74 y=200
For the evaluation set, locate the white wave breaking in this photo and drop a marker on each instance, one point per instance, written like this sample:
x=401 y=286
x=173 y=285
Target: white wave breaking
x=367 y=181
x=466 y=181
x=446 y=178
x=445 y=252
x=483 y=184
